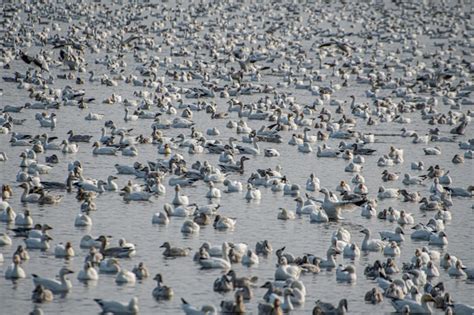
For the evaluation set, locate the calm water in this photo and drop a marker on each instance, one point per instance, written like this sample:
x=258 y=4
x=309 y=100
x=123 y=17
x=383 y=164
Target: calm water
x=256 y=220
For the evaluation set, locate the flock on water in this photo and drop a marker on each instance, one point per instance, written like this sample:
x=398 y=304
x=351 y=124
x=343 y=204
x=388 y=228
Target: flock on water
x=214 y=97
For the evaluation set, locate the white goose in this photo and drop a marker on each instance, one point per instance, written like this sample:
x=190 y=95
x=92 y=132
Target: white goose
x=61 y=286
x=14 y=271
x=179 y=199
x=368 y=244
x=117 y=307
x=87 y=273
x=215 y=262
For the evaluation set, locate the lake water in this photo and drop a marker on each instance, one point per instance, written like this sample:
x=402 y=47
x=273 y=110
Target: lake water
x=255 y=220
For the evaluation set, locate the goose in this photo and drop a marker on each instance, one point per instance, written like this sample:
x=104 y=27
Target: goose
x=270 y=309
x=61 y=286
x=88 y=241
x=129 y=195
x=253 y=193
x=328 y=308
x=342 y=234
x=232 y=186
x=255 y=150
x=69 y=147
x=346 y=273
x=128 y=116
x=88 y=273
x=351 y=251
x=240 y=282
x=125 y=276
x=285 y=214
x=7 y=215
x=271 y=152
x=117 y=307
x=27 y=197
x=124 y=251
x=41 y=294
x=312 y=183
x=140 y=271
x=129 y=150
x=213 y=191
x=98 y=150
x=223 y=284
x=174 y=251
x=250 y=259
x=83 y=219
x=431 y=270
x=368 y=211
x=45 y=121
x=160 y=218
x=213 y=251
x=263 y=248
x=190 y=227
x=217 y=263
x=343 y=187
x=38 y=243
x=161 y=291
x=439 y=239
x=285 y=271
x=369 y=244
x=327 y=152
x=421 y=232
x=296 y=140
x=330 y=261
x=202 y=219
x=333 y=207
x=109 y=265
x=374 y=296
x=444 y=215
x=223 y=223
x=386 y=193
x=432 y=151
x=405 y=218
x=305 y=147
x=94 y=116
x=21 y=252
x=14 y=271
x=392 y=249
x=318 y=216
x=49 y=199
x=7 y=192
x=396 y=236
x=64 y=251
x=37 y=231
x=426 y=205
x=91 y=185
x=414 y=307
x=237 y=167
x=111 y=185
x=178 y=198
x=181 y=211
x=191 y=310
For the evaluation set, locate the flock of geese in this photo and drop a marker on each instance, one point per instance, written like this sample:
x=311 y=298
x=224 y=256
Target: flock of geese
x=367 y=69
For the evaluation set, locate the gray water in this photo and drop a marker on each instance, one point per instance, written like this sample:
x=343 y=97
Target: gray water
x=255 y=220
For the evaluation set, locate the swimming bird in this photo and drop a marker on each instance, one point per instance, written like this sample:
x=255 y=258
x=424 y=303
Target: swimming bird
x=161 y=291
x=369 y=244
x=41 y=294
x=15 y=271
x=87 y=273
x=117 y=307
x=61 y=286
x=191 y=310
x=174 y=251
x=328 y=308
